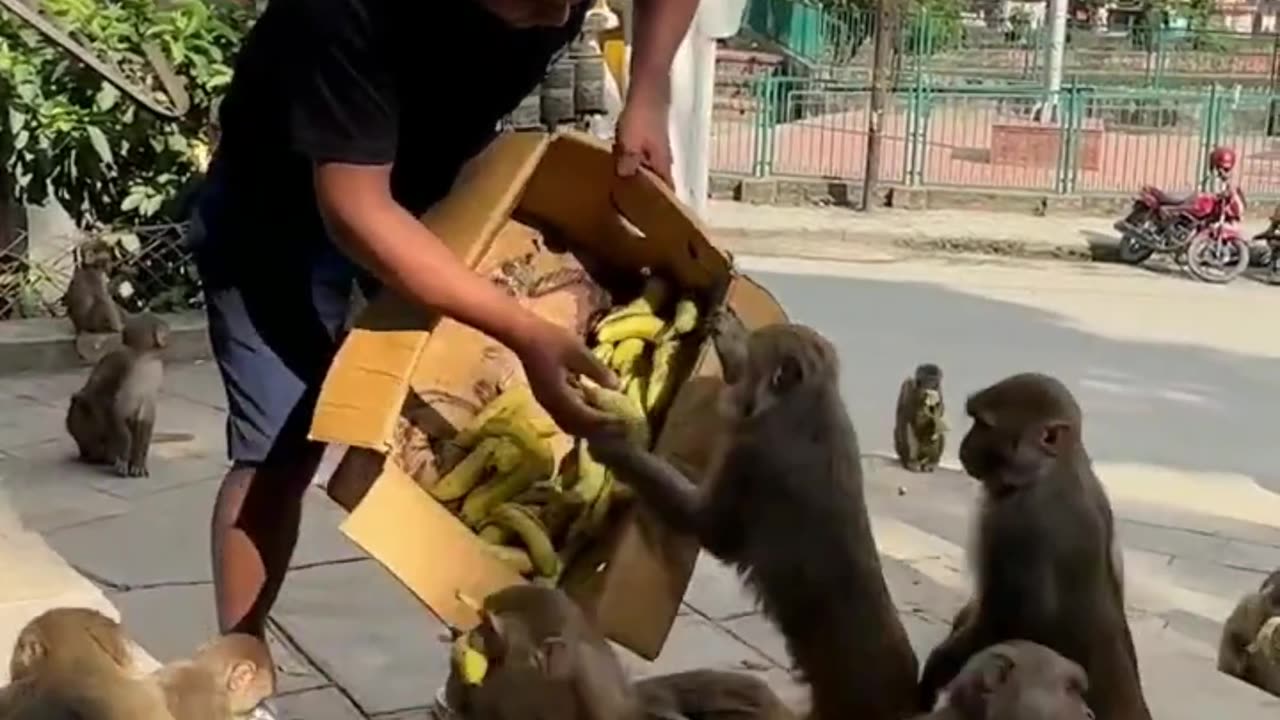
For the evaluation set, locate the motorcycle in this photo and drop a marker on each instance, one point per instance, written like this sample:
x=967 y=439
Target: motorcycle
x=1266 y=249
x=1217 y=252
x=1162 y=223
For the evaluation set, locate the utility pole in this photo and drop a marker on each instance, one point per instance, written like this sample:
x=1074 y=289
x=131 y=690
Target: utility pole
x=1053 y=65
x=881 y=78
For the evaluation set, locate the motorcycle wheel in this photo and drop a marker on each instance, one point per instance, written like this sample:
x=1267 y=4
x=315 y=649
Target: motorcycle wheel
x=1274 y=277
x=1207 y=269
x=1133 y=251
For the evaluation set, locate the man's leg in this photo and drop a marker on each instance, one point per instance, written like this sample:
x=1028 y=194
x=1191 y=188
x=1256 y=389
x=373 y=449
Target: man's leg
x=273 y=339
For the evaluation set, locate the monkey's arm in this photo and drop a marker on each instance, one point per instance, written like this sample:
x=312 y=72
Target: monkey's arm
x=949 y=657
x=711 y=695
x=730 y=338
x=664 y=488
x=1236 y=636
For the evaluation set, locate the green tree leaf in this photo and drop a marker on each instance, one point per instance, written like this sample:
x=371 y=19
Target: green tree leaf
x=100 y=145
x=106 y=98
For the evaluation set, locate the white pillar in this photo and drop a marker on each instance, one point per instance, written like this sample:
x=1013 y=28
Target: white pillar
x=1057 y=48
x=693 y=79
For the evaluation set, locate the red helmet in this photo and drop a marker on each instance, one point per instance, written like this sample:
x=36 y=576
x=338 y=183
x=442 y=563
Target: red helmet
x=1222 y=159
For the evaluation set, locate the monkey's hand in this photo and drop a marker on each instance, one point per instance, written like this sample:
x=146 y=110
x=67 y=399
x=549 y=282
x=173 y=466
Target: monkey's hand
x=658 y=483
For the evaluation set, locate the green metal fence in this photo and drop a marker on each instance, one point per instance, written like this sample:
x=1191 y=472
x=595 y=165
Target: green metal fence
x=1132 y=51
x=1081 y=140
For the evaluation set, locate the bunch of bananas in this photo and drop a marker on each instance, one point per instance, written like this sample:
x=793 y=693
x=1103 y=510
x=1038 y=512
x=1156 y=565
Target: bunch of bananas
x=641 y=346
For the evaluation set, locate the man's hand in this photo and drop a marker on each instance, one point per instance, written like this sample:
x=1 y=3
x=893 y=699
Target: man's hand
x=643 y=137
x=550 y=355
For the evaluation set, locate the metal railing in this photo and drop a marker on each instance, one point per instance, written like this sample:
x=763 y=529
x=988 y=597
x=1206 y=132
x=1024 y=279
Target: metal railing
x=151 y=270
x=1080 y=140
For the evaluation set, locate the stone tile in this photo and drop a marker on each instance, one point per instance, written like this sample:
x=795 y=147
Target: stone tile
x=1252 y=556
x=178 y=415
x=48 y=497
x=57 y=457
x=52 y=389
x=164 y=538
x=758 y=632
x=172 y=621
x=25 y=422
x=1169 y=540
x=422 y=713
x=1207 y=631
x=320 y=704
x=198 y=382
x=696 y=642
x=367 y=633
x=1214 y=579
x=716 y=591
x=924 y=632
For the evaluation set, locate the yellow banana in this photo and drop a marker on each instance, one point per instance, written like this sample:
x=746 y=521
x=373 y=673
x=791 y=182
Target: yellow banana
x=644 y=327
x=470 y=664
x=532 y=534
x=685 y=318
x=501 y=488
x=514 y=399
x=661 y=381
x=515 y=558
x=466 y=474
x=626 y=354
x=521 y=432
x=622 y=407
x=494 y=535
x=635 y=390
x=651 y=300
x=591 y=474
x=603 y=352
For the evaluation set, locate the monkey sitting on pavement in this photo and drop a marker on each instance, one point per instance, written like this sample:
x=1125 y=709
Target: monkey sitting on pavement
x=786 y=506
x=77 y=664
x=112 y=417
x=94 y=314
x=1236 y=650
x=919 y=428
x=1044 y=555
x=546 y=661
x=1015 y=680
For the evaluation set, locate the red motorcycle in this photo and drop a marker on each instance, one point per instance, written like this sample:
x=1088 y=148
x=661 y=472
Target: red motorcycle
x=1199 y=231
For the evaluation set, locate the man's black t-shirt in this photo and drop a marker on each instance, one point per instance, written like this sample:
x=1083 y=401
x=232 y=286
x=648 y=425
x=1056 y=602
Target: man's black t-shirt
x=418 y=83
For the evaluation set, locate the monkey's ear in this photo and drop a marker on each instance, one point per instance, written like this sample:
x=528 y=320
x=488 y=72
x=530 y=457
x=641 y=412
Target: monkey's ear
x=1054 y=435
x=240 y=675
x=555 y=657
x=786 y=375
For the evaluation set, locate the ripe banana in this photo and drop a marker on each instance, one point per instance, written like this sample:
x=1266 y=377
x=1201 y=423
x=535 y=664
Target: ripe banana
x=661 y=381
x=494 y=535
x=636 y=390
x=644 y=327
x=532 y=534
x=621 y=406
x=685 y=318
x=470 y=664
x=626 y=354
x=515 y=558
x=604 y=352
x=466 y=474
x=480 y=502
x=515 y=398
x=651 y=300
x=591 y=474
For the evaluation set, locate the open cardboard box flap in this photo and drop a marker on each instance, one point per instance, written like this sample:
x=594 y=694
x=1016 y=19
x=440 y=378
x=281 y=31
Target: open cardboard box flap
x=524 y=185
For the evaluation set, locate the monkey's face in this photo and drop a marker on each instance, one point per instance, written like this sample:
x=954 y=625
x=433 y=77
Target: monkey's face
x=783 y=362
x=1019 y=680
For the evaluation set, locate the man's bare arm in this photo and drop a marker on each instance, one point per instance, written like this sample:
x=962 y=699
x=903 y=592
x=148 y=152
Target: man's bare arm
x=660 y=27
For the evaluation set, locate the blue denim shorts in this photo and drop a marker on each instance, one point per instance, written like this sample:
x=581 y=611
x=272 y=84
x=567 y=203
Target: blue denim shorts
x=276 y=307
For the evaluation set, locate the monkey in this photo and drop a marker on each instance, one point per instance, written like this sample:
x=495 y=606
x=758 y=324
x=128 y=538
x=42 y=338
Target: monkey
x=547 y=661
x=1044 y=548
x=1015 y=680
x=112 y=416
x=1242 y=626
x=919 y=429
x=78 y=664
x=88 y=300
x=226 y=678
x=784 y=504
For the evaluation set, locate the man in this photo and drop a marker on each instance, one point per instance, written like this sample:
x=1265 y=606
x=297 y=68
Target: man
x=345 y=120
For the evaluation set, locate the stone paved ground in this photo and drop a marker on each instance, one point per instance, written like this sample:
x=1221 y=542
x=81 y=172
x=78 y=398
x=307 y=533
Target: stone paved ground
x=354 y=644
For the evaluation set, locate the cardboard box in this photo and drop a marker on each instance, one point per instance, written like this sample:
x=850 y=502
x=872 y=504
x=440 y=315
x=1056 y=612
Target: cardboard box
x=526 y=192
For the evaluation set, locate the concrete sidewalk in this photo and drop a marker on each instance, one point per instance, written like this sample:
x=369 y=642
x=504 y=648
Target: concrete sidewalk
x=352 y=643
x=841 y=233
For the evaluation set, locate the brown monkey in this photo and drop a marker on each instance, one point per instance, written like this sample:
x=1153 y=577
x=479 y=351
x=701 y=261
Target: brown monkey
x=786 y=506
x=76 y=664
x=919 y=429
x=1044 y=547
x=1016 y=680
x=225 y=679
x=1242 y=626
x=88 y=299
x=111 y=418
x=547 y=662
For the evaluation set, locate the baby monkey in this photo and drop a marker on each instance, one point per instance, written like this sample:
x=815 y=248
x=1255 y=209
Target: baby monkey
x=1015 y=680
x=1237 y=650
x=77 y=664
x=545 y=661
x=919 y=429
x=112 y=417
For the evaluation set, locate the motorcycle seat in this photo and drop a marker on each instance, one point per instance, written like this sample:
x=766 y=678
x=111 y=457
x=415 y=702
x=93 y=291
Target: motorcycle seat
x=1167 y=200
